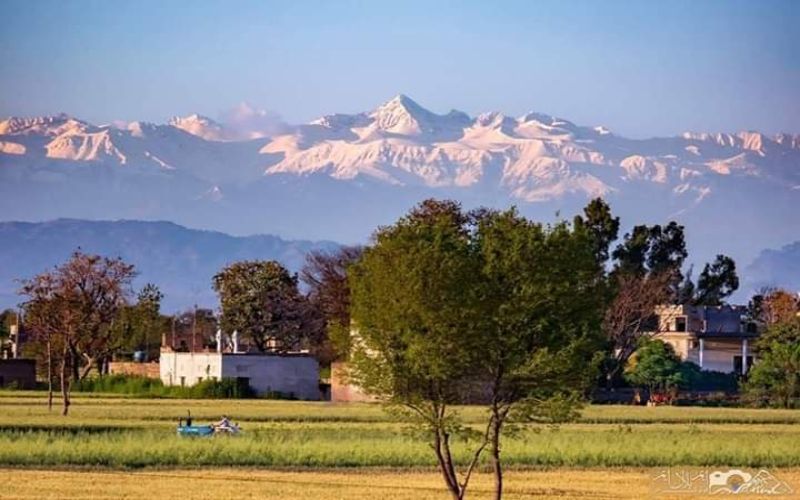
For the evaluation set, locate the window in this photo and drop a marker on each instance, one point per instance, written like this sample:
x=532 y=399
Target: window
x=183 y=381
x=651 y=324
x=680 y=324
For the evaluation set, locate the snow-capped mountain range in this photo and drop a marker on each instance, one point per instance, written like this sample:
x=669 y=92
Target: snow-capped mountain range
x=339 y=176
x=534 y=157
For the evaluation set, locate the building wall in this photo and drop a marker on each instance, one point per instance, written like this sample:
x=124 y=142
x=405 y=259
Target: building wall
x=718 y=354
x=681 y=342
x=727 y=319
x=21 y=372
x=289 y=375
x=149 y=370
x=342 y=390
x=189 y=368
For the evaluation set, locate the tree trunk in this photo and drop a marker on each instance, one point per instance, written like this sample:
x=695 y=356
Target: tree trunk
x=497 y=466
x=75 y=365
x=441 y=448
x=49 y=375
x=64 y=384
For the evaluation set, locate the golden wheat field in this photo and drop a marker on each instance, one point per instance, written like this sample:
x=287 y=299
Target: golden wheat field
x=308 y=485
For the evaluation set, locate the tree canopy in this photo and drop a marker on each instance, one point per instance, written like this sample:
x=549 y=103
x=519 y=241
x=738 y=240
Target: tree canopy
x=325 y=276
x=261 y=301
x=486 y=306
x=775 y=378
x=655 y=367
x=72 y=308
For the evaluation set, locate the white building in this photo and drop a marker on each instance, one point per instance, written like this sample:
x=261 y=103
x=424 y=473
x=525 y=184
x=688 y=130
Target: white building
x=295 y=375
x=714 y=338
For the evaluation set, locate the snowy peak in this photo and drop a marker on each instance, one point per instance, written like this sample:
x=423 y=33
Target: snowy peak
x=201 y=126
x=403 y=116
x=49 y=126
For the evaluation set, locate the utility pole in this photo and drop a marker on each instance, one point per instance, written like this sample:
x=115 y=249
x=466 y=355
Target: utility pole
x=194 y=326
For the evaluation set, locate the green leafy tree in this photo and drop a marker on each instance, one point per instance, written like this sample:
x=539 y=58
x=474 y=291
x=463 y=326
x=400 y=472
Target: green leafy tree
x=486 y=306
x=261 y=301
x=775 y=378
x=415 y=295
x=655 y=367
x=653 y=251
x=601 y=225
x=139 y=326
x=717 y=282
x=542 y=303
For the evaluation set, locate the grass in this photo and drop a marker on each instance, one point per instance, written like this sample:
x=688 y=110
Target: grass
x=28 y=407
x=133 y=433
x=333 y=446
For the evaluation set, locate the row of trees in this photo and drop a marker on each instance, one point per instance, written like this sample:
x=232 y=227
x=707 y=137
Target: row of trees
x=82 y=313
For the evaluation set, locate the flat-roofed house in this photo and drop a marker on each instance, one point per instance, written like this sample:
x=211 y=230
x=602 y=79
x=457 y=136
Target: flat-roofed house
x=716 y=338
x=294 y=374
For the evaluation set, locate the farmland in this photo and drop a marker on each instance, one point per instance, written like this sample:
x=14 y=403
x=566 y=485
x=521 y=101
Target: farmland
x=308 y=485
x=340 y=443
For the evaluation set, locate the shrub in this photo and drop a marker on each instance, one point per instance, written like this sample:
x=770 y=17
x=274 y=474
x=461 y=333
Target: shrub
x=149 y=387
x=696 y=379
x=775 y=379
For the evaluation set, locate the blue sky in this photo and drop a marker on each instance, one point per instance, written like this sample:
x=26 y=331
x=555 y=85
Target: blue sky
x=640 y=68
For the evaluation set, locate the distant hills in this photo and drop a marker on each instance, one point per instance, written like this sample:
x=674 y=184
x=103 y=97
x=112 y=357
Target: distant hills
x=180 y=261
x=777 y=268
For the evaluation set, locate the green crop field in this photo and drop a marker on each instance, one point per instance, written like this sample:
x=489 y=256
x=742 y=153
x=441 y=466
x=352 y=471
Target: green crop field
x=129 y=433
x=323 y=450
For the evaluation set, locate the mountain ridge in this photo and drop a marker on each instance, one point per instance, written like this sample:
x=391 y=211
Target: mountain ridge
x=342 y=175
x=180 y=260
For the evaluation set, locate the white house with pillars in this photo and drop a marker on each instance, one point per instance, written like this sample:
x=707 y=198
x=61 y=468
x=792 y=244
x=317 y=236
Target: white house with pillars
x=716 y=338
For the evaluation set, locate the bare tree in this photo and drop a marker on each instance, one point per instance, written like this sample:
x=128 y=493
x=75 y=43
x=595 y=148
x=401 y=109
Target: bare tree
x=325 y=275
x=72 y=308
x=773 y=305
x=631 y=315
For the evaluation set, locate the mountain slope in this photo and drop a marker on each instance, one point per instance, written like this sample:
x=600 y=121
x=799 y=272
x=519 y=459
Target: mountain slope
x=179 y=260
x=341 y=175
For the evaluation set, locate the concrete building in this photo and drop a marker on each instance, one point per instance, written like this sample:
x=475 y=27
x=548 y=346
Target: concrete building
x=295 y=375
x=714 y=338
